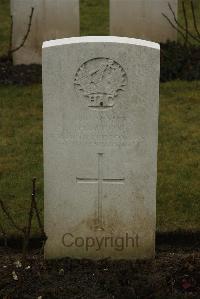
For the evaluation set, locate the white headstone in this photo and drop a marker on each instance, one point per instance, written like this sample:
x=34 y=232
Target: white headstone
x=51 y=19
x=143 y=19
x=101 y=98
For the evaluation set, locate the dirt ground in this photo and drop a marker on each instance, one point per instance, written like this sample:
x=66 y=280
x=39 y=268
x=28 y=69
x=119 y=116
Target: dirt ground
x=19 y=74
x=174 y=273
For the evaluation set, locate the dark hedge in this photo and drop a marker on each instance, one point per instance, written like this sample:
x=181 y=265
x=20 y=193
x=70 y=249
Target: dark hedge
x=177 y=62
x=19 y=74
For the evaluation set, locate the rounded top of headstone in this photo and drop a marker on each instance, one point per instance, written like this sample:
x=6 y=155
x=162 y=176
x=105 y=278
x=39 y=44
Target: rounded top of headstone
x=101 y=39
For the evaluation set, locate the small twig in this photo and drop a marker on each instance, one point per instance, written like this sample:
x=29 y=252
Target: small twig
x=179 y=25
x=27 y=33
x=38 y=217
x=11 y=35
x=9 y=217
x=5 y=241
x=28 y=228
x=173 y=26
x=4 y=235
x=186 y=23
x=194 y=19
x=43 y=235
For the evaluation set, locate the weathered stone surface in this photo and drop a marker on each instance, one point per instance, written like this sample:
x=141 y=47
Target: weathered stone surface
x=101 y=98
x=143 y=19
x=51 y=19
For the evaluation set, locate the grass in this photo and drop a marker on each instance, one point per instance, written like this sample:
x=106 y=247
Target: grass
x=178 y=192
x=178 y=205
x=20 y=148
x=94 y=17
x=4 y=26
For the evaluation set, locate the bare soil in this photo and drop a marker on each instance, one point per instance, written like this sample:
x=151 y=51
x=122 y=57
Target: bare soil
x=174 y=273
x=19 y=74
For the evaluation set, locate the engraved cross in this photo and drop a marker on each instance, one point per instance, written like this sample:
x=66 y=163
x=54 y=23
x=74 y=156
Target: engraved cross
x=100 y=180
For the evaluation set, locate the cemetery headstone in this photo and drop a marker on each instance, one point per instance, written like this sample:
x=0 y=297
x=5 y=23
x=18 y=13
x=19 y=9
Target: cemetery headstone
x=101 y=101
x=51 y=19
x=143 y=19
